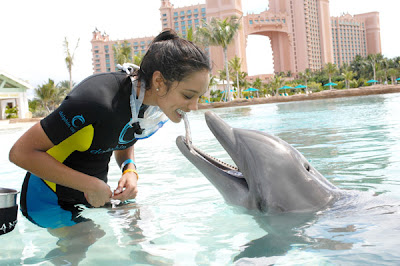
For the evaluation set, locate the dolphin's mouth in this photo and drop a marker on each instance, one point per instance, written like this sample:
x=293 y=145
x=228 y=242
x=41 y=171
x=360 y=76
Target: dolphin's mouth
x=230 y=171
x=233 y=170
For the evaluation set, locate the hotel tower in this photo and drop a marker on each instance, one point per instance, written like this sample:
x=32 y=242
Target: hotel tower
x=302 y=33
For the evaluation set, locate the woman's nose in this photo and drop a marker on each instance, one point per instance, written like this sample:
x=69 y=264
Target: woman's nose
x=193 y=105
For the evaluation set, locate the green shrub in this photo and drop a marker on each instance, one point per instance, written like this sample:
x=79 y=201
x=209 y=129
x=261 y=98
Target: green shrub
x=11 y=112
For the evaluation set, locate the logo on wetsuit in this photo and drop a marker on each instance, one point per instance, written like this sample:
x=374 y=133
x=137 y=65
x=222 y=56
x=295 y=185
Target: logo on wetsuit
x=76 y=121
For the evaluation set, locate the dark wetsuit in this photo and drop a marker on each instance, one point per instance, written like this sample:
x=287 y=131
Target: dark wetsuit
x=85 y=129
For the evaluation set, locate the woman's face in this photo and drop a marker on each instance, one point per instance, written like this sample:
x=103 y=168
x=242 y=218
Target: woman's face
x=183 y=95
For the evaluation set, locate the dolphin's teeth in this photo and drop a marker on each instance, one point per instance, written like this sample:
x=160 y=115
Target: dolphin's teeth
x=215 y=160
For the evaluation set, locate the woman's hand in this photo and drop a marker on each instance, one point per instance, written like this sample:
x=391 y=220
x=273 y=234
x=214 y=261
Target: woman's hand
x=99 y=195
x=127 y=187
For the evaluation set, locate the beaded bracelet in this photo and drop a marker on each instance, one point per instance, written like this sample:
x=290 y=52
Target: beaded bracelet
x=131 y=170
x=126 y=162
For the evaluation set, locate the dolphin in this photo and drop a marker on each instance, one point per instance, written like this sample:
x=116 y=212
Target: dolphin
x=271 y=175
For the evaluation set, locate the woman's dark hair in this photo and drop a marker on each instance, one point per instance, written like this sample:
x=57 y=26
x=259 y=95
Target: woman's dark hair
x=174 y=57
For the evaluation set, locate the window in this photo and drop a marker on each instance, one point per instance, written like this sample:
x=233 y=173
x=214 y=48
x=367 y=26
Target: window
x=175 y=14
x=182 y=13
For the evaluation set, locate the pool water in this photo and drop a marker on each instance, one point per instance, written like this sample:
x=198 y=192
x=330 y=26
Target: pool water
x=179 y=218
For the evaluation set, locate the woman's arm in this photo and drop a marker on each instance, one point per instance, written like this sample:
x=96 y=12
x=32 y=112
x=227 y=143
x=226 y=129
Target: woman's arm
x=127 y=185
x=29 y=152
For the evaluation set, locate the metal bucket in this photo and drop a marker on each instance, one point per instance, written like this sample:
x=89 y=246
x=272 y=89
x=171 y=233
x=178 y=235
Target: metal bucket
x=8 y=210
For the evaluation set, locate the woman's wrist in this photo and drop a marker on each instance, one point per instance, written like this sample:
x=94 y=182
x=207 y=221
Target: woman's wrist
x=126 y=163
x=130 y=170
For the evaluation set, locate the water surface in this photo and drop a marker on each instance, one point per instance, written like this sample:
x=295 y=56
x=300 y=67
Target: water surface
x=179 y=218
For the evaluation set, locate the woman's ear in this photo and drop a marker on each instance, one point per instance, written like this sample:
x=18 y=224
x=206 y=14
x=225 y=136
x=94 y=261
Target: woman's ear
x=158 y=81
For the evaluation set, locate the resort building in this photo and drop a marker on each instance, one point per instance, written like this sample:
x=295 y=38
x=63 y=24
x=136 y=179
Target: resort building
x=355 y=35
x=301 y=32
x=13 y=93
x=103 y=54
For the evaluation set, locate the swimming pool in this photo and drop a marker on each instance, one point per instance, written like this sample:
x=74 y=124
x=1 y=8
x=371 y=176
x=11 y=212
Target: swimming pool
x=179 y=218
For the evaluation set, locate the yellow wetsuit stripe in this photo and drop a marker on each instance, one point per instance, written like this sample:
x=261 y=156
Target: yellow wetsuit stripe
x=79 y=141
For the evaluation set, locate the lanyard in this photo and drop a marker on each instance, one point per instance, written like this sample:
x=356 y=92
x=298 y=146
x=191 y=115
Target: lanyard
x=155 y=117
x=136 y=103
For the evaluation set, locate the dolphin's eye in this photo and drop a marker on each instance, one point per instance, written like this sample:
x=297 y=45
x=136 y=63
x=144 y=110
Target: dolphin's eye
x=307 y=166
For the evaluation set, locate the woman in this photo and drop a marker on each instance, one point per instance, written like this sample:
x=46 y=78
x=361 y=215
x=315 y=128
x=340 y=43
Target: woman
x=67 y=153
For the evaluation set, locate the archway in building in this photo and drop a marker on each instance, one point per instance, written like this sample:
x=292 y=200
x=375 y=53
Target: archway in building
x=273 y=27
x=259 y=55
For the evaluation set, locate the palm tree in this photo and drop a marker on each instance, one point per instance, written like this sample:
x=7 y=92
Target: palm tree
x=222 y=76
x=381 y=75
x=373 y=60
x=358 y=66
x=137 y=58
x=268 y=88
x=190 y=35
x=306 y=75
x=243 y=83
x=220 y=33
x=69 y=59
x=257 y=84
x=236 y=64
x=61 y=91
x=392 y=72
x=213 y=82
x=277 y=83
x=122 y=52
x=330 y=69
x=385 y=62
x=45 y=93
x=348 y=76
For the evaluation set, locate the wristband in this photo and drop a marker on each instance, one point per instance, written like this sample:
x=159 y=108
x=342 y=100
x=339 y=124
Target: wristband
x=126 y=162
x=131 y=170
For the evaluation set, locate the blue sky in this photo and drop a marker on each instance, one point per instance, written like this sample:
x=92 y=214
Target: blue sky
x=32 y=32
